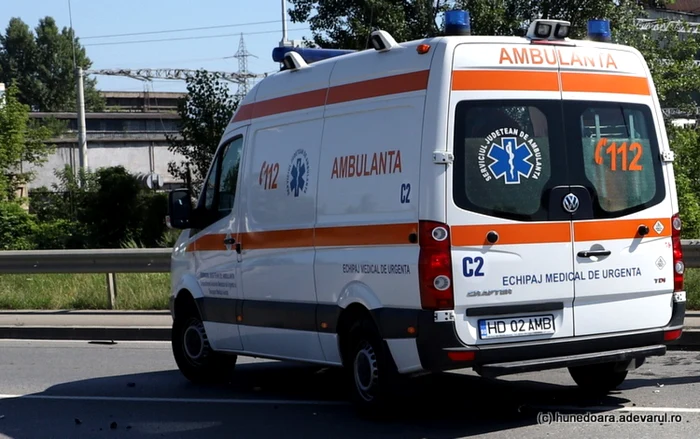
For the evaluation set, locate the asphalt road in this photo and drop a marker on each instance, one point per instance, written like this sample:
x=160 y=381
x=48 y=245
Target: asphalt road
x=133 y=390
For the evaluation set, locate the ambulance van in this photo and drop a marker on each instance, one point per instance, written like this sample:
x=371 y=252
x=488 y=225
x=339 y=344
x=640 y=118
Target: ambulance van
x=505 y=204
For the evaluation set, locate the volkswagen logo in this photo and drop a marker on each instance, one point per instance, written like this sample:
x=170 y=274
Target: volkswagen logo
x=570 y=203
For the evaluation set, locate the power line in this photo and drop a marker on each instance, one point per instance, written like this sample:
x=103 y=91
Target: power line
x=179 y=30
x=191 y=60
x=201 y=37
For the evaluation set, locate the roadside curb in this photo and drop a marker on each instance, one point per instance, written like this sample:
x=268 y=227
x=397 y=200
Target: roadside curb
x=85 y=333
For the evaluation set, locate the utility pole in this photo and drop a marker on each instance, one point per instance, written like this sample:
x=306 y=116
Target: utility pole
x=284 y=24
x=82 y=136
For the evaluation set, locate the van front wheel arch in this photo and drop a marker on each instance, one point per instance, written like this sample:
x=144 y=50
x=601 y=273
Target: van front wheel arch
x=195 y=358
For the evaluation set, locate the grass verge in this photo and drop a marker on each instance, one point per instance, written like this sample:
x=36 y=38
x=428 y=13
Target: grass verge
x=139 y=291
x=692 y=288
x=135 y=291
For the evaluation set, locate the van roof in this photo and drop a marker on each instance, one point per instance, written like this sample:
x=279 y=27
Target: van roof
x=316 y=75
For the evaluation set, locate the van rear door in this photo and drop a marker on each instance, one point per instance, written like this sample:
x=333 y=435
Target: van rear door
x=622 y=219
x=511 y=237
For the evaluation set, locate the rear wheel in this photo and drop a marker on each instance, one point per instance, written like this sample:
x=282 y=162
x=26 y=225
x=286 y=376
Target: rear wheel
x=372 y=375
x=194 y=355
x=598 y=378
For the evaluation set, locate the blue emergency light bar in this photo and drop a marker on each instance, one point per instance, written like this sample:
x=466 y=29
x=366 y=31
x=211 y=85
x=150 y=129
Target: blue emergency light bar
x=310 y=55
x=457 y=22
x=599 y=30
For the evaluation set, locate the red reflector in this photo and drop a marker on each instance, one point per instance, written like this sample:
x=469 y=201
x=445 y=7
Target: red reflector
x=678 y=264
x=423 y=49
x=673 y=335
x=461 y=356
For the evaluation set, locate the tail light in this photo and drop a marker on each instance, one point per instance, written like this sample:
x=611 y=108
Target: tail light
x=435 y=266
x=678 y=265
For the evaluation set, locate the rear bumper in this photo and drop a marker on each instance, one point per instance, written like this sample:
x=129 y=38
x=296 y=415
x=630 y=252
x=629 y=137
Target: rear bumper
x=439 y=348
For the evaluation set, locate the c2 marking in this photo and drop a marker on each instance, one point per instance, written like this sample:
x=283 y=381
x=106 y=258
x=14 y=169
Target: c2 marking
x=468 y=261
x=405 y=193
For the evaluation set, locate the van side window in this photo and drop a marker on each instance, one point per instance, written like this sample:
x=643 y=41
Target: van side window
x=210 y=186
x=228 y=178
x=220 y=188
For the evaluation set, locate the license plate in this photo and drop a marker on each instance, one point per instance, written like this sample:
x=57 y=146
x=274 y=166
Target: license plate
x=516 y=326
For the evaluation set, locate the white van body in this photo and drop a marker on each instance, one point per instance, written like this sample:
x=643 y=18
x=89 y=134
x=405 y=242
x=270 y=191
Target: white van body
x=501 y=203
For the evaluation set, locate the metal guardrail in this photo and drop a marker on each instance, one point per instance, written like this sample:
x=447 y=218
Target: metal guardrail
x=107 y=261
x=147 y=260
x=691 y=252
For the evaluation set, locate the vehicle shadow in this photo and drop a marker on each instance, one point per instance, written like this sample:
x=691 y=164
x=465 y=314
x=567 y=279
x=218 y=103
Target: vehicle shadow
x=278 y=399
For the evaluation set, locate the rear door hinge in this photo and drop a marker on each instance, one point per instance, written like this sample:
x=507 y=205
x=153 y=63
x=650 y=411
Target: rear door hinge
x=443 y=157
x=668 y=156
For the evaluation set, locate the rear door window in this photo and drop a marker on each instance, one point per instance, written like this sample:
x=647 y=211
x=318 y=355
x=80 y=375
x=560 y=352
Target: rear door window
x=508 y=154
x=615 y=155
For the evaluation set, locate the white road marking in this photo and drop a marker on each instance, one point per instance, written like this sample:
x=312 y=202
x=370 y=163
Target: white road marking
x=92 y=342
x=174 y=400
x=614 y=409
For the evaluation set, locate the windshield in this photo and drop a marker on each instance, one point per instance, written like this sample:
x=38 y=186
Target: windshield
x=510 y=154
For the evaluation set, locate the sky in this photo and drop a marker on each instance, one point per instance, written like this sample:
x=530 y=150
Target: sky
x=98 y=22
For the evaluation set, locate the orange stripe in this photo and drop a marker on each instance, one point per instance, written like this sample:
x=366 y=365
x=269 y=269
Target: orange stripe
x=244 y=112
x=211 y=242
x=537 y=233
x=384 y=234
x=373 y=88
x=469 y=80
x=277 y=239
x=604 y=83
x=299 y=101
x=389 y=85
x=618 y=229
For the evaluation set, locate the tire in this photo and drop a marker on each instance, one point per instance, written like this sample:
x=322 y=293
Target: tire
x=598 y=378
x=372 y=376
x=194 y=355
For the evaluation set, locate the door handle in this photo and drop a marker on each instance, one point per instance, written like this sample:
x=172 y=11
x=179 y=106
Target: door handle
x=589 y=253
x=229 y=241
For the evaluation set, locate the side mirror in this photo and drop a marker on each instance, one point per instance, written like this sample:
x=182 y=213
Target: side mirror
x=180 y=209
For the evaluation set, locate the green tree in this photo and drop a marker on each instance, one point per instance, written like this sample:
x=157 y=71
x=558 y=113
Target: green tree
x=22 y=143
x=41 y=62
x=204 y=115
x=347 y=24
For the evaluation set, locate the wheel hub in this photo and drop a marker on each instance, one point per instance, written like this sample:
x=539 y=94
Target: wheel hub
x=194 y=341
x=366 y=372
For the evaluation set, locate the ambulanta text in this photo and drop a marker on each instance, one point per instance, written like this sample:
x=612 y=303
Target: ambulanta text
x=365 y=165
x=547 y=56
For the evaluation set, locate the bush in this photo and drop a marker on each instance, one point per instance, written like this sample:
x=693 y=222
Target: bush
x=58 y=234
x=111 y=210
x=16 y=227
x=684 y=142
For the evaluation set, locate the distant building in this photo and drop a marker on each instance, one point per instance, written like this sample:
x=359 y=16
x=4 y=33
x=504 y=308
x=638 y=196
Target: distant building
x=131 y=132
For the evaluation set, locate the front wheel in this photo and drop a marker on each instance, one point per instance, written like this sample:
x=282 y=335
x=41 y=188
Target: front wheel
x=194 y=355
x=598 y=378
